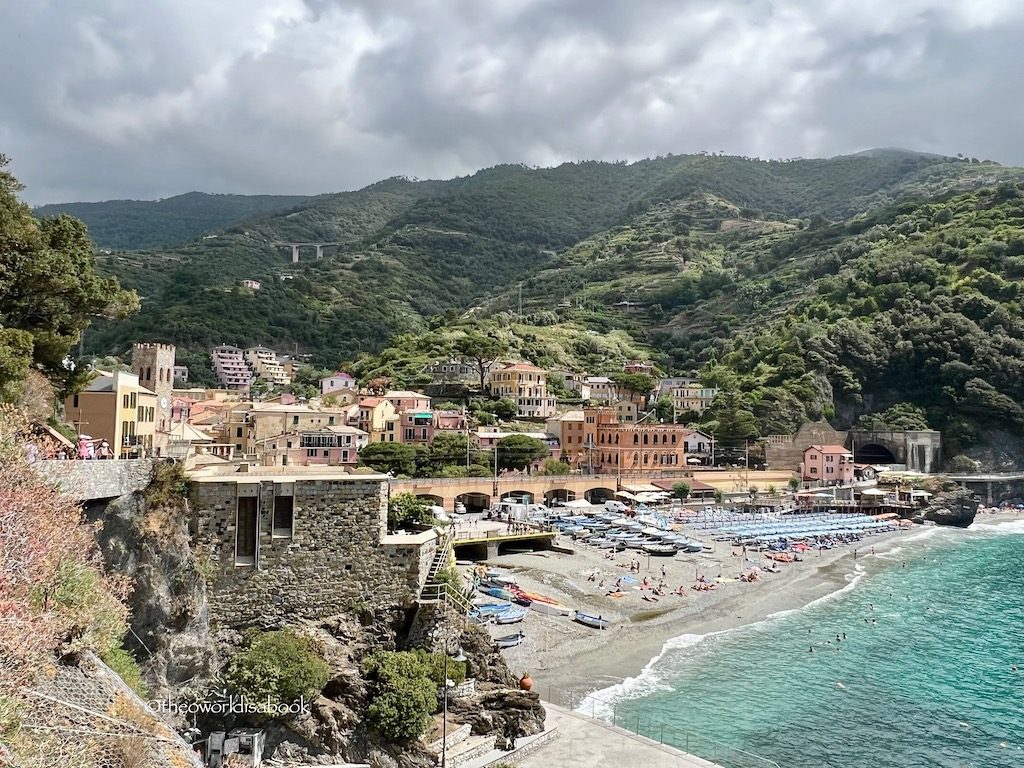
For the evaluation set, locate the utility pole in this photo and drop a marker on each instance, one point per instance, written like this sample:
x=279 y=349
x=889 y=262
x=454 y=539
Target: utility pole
x=746 y=463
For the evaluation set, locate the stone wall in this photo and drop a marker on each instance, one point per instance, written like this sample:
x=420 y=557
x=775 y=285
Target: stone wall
x=94 y=480
x=333 y=559
x=787 y=451
x=411 y=556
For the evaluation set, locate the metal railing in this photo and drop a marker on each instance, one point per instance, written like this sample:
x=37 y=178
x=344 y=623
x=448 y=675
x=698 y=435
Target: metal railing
x=652 y=727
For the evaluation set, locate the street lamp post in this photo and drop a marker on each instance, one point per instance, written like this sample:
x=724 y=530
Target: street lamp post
x=459 y=656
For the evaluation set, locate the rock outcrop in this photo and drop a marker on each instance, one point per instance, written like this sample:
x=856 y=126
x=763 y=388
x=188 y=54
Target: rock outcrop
x=148 y=542
x=955 y=507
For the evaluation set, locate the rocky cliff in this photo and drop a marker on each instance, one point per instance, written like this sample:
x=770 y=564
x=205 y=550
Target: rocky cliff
x=145 y=536
x=955 y=507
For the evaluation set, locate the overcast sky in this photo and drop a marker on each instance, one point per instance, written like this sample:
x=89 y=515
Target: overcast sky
x=108 y=99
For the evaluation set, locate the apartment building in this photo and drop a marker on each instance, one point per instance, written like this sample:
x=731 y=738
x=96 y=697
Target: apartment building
x=230 y=367
x=265 y=366
x=378 y=418
x=687 y=394
x=526 y=386
x=827 y=465
x=404 y=400
x=335 y=445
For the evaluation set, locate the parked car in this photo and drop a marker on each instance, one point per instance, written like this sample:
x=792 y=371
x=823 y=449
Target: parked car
x=460 y=508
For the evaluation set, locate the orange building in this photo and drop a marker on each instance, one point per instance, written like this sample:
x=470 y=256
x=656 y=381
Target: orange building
x=612 y=446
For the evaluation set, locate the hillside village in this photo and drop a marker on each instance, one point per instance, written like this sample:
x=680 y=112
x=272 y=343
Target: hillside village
x=629 y=422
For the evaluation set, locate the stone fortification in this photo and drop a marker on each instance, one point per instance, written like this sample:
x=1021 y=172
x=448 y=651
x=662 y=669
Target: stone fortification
x=266 y=567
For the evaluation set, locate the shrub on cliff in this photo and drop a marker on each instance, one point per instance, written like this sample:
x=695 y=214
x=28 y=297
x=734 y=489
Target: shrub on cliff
x=279 y=666
x=405 y=509
x=54 y=596
x=405 y=690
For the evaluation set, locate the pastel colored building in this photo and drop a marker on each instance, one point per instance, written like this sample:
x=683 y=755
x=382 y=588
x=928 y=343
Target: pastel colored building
x=611 y=446
x=827 y=465
x=526 y=386
x=336 y=445
x=114 y=407
x=404 y=400
x=230 y=367
x=337 y=380
x=264 y=364
x=378 y=418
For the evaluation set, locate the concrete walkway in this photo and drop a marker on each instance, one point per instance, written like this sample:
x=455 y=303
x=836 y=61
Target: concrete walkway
x=591 y=743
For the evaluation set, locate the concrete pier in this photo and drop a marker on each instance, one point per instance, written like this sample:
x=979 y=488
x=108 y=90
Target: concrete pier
x=595 y=744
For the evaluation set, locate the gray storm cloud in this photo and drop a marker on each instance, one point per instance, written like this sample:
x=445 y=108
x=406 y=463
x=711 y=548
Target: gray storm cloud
x=113 y=98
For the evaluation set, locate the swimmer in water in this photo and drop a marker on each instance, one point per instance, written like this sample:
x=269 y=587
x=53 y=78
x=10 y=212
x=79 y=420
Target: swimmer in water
x=839 y=684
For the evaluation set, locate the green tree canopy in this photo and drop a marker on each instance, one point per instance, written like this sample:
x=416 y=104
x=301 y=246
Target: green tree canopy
x=482 y=349
x=632 y=384
x=399 y=458
x=49 y=289
x=681 y=490
x=517 y=451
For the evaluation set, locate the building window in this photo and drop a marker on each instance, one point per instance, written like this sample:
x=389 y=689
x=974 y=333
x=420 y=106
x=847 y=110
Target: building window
x=246 y=530
x=311 y=453
x=814 y=470
x=74 y=403
x=284 y=507
x=238 y=431
x=295 y=420
x=330 y=421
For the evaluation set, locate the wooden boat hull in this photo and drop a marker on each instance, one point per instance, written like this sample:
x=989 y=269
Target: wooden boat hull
x=587 y=620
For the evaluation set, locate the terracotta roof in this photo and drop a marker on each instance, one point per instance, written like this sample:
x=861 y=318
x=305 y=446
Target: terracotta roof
x=521 y=367
x=828 y=449
x=371 y=402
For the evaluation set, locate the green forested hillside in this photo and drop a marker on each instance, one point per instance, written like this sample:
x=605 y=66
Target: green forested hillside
x=803 y=289
x=132 y=224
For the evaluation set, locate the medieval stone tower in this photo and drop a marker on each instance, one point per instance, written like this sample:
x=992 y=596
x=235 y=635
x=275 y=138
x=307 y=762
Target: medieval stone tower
x=154 y=365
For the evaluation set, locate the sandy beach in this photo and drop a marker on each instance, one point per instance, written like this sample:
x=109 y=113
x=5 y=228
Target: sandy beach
x=567 y=660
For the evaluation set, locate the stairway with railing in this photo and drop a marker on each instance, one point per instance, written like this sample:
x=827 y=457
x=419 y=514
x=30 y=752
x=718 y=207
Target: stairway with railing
x=437 y=590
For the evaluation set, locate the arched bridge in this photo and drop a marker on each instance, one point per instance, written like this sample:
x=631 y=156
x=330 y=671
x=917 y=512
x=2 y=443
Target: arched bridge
x=482 y=492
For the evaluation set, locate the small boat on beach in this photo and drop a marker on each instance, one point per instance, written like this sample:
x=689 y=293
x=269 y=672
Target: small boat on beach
x=660 y=550
x=588 y=620
x=513 y=615
x=550 y=608
x=509 y=641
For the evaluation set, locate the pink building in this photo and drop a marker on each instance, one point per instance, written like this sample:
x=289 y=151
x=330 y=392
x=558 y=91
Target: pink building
x=416 y=427
x=337 y=380
x=181 y=409
x=454 y=422
x=230 y=366
x=403 y=400
x=827 y=465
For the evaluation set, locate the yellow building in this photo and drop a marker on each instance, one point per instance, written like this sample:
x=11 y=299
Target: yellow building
x=526 y=386
x=378 y=418
x=116 y=408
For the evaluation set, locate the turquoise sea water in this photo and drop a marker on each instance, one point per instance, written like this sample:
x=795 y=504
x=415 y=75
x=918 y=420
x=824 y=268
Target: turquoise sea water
x=926 y=681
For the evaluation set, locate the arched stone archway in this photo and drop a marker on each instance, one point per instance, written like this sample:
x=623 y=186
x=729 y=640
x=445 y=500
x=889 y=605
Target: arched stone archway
x=599 y=495
x=558 y=494
x=873 y=453
x=475 y=502
x=437 y=500
x=523 y=497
